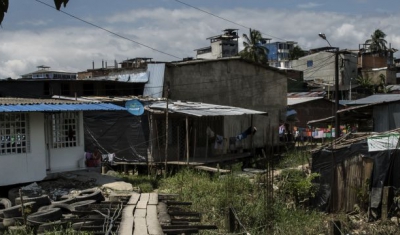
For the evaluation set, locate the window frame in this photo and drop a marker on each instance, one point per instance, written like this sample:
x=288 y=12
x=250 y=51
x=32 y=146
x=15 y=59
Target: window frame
x=64 y=130
x=14 y=133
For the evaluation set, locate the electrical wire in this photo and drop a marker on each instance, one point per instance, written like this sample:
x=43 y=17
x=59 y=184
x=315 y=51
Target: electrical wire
x=109 y=31
x=225 y=19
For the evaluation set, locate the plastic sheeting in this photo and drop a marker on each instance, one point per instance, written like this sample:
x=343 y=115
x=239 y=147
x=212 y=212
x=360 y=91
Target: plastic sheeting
x=117 y=132
x=325 y=161
x=383 y=142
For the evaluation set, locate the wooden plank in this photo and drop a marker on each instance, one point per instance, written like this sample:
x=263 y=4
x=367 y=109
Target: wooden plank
x=133 y=200
x=153 y=225
x=140 y=213
x=144 y=198
x=140 y=226
x=170 y=203
x=198 y=227
x=212 y=169
x=153 y=199
x=127 y=220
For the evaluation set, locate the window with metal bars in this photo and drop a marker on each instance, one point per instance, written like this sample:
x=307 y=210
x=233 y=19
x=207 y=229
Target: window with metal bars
x=64 y=129
x=14 y=133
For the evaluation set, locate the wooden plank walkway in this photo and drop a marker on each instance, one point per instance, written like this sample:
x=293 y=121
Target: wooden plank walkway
x=140 y=216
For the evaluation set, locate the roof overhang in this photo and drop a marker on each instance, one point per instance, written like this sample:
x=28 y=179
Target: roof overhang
x=53 y=105
x=200 y=109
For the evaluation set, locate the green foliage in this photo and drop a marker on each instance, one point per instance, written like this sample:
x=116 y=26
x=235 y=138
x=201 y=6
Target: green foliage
x=253 y=50
x=297 y=186
x=366 y=83
x=300 y=221
x=293 y=158
x=211 y=195
x=146 y=184
x=296 y=53
x=382 y=88
x=377 y=42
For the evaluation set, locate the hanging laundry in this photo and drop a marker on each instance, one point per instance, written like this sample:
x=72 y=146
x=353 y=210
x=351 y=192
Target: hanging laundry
x=210 y=133
x=247 y=132
x=219 y=142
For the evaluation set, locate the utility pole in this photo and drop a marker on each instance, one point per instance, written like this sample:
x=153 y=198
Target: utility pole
x=337 y=116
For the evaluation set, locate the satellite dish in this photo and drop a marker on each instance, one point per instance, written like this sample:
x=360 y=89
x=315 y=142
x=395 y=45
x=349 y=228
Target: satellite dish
x=134 y=107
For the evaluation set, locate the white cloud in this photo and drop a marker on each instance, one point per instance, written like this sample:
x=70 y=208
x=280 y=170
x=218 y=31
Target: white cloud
x=177 y=32
x=309 y=5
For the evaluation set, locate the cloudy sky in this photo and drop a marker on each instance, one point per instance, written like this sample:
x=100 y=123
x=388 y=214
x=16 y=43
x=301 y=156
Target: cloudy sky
x=33 y=33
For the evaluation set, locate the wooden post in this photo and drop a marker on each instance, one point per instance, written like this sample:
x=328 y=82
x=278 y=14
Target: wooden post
x=194 y=144
x=187 y=140
x=22 y=206
x=251 y=136
x=206 y=147
x=230 y=220
x=178 y=144
x=386 y=198
x=166 y=138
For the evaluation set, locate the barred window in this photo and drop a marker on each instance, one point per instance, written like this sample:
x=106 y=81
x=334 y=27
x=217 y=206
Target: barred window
x=14 y=133
x=64 y=128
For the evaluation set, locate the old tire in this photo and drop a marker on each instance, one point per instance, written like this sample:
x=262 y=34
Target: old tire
x=65 y=208
x=16 y=211
x=41 y=217
x=82 y=205
x=5 y=203
x=43 y=200
x=65 y=201
x=90 y=194
x=52 y=226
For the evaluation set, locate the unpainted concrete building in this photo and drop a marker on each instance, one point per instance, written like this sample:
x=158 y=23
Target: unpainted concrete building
x=234 y=82
x=319 y=67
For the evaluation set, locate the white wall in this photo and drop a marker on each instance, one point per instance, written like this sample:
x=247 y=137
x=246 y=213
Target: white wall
x=26 y=167
x=31 y=166
x=67 y=159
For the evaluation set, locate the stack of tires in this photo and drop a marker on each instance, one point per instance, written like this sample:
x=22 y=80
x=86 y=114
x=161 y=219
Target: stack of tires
x=43 y=214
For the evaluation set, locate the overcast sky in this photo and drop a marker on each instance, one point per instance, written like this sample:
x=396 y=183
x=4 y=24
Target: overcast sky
x=34 y=34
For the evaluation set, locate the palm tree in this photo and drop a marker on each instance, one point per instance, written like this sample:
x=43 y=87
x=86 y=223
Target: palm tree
x=253 y=50
x=377 y=42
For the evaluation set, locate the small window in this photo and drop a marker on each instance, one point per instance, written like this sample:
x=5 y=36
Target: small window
x=14 y=133
x=64 y=128
x=309 y=63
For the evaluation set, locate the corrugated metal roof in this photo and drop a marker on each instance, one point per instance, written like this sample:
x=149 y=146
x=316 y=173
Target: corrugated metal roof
x=52 y=105
x=154 y=87
x=381 y=98
x=202 y=109
x=300 y=100
x=306 y=94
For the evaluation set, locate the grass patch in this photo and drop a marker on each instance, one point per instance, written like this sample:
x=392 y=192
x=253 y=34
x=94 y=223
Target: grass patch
x=293 y=158
x=145 y=183
x=212 y=195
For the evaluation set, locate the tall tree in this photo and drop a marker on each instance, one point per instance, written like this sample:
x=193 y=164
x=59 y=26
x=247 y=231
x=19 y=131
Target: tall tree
x=296 y=53
x=253 y=48
x=377 y=42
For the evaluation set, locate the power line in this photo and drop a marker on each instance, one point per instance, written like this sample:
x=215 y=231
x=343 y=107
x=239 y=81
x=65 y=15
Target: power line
x=225 y=19
x=111 y=32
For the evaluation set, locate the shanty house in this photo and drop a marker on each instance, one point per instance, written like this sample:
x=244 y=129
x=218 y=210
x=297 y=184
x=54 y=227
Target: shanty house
x=42 y=136
x=198 y=133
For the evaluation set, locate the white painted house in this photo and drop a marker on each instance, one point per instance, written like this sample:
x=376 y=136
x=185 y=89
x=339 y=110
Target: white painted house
x=42 y=136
